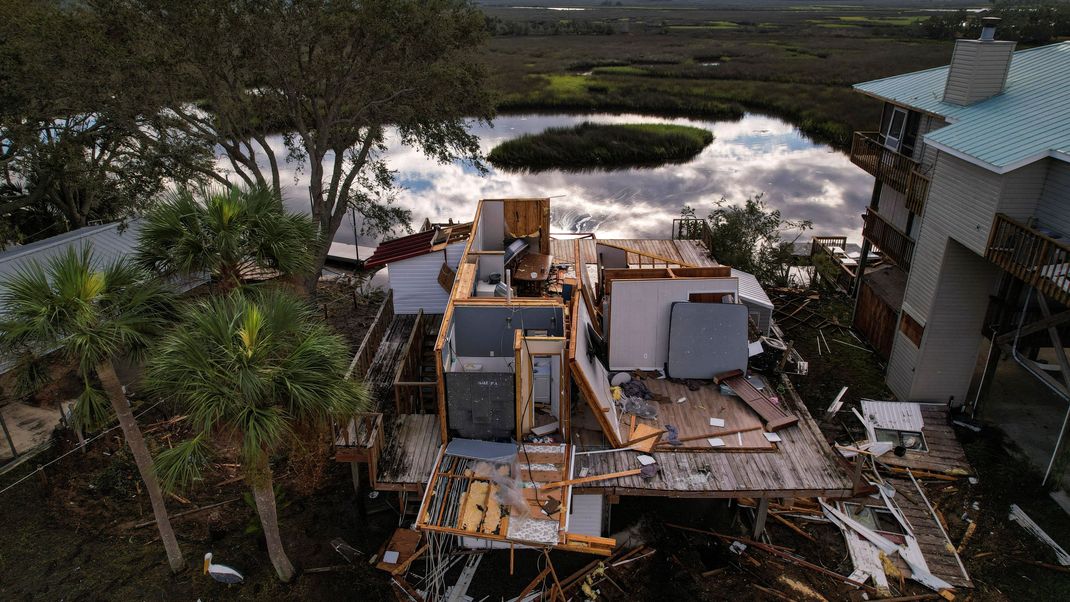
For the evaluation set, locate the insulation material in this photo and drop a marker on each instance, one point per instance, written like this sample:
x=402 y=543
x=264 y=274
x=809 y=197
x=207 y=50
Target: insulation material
x=706 y=339
x=534 y=530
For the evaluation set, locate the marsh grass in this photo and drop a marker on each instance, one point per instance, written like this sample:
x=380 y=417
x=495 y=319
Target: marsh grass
x=601 y=146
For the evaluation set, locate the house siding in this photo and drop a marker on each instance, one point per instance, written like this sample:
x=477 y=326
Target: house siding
x=1053 y=210
x=1022 y=190
x=945 y=364
x=978 y=70
x=901 y=365
x=415 y=281
x=962 y=200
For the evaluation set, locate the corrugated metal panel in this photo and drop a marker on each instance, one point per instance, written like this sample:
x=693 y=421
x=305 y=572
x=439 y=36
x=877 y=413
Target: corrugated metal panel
x=897 y=415
x=415 y=281
x=754 y=297
x=1028 y=121
x=586 y=515
x=109 y=242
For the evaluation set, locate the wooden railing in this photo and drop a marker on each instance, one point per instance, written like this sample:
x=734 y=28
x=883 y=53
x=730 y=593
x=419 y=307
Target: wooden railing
x=370 y=345
x=827 y=264
x=360 y=439
x=412 y=395
x=693 y=228
x=917 y=191
x=1032 y=256
x=881 y=162
x=896 y=245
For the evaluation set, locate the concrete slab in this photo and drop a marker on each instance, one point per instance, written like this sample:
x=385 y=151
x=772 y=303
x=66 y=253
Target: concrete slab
x=29 y=425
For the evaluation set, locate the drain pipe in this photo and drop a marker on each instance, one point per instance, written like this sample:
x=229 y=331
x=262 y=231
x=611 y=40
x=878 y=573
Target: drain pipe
x=1029 y=368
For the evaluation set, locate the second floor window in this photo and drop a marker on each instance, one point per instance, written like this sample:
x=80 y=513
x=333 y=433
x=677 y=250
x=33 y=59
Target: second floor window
x=899 y=129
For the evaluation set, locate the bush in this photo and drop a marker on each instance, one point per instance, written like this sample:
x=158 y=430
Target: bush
x=590 y=145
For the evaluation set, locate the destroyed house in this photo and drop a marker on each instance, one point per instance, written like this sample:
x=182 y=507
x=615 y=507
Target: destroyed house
x=567 y=371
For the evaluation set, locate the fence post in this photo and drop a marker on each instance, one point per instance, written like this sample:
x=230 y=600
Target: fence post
x=7 y=434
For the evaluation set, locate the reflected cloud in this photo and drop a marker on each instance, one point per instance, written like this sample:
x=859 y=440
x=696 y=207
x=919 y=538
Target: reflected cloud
x=757 y=154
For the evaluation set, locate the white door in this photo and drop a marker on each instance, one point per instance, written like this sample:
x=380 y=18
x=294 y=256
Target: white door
x=896 y=125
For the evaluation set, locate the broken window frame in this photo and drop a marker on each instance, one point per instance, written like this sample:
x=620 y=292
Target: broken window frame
x=898 y=437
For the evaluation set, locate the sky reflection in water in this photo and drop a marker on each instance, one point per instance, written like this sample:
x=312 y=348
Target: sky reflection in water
x=757 y=154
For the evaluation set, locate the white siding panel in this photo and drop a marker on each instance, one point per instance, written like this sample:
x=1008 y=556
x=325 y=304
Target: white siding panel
x=948 y=355
x=1022 y=189
x=1053 y=211
x=900 y=373
x=896 y=415
x=415 y=281
x=639 y=317
x=962 y=200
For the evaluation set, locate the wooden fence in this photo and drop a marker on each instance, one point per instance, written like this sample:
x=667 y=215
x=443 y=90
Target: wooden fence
x=413 y=395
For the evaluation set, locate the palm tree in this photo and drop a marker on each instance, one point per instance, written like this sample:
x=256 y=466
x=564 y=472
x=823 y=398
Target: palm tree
x=229 y=233
x=252 y=369
x=93 y=314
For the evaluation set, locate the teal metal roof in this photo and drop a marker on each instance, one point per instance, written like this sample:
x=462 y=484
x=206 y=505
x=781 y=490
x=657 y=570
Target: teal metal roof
x=1030 y=120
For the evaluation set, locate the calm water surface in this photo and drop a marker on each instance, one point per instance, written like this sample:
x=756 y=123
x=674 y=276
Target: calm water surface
x=756 y=154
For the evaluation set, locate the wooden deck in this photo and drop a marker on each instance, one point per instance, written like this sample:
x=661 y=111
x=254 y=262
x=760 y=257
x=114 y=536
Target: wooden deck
x=802 y=465
x=680 y=251
x=931 y=540
x=412 y=443
x=384 y=366
x=692 y=419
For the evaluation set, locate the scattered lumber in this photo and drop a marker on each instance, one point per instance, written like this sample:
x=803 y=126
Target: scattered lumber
x=1019 y=516
x=777 y=552
x=774 y=416
x=590 y=479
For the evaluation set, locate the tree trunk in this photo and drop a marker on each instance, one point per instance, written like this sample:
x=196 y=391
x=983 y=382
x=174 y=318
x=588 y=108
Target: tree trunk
x=114 y=391
x=264 y=496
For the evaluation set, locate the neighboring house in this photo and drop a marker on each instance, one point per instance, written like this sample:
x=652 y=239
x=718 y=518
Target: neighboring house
x=972 y=168
x=110 y=242
x=415 y=263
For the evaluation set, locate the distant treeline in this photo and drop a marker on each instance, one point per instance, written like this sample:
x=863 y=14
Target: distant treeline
x=1028 y=23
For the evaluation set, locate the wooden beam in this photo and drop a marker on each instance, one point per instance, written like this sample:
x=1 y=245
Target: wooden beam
x=591 y=479
x=759 y=520
x=1048 y=321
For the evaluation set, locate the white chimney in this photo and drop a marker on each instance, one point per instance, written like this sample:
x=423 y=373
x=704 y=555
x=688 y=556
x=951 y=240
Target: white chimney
x=978 y=67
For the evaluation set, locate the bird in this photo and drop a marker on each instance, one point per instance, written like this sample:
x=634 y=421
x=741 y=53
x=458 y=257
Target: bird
x=221 y=572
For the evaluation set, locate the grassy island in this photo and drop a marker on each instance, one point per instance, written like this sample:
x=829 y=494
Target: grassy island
x=606 y=146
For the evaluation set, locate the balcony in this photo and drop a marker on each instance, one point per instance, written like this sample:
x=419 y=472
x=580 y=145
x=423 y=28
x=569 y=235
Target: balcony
x=1036 y=258
x=893 y=242
x=917 y=191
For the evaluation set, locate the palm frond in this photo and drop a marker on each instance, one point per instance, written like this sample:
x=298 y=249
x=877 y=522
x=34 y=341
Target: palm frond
x=180 y=466
x=91 y=410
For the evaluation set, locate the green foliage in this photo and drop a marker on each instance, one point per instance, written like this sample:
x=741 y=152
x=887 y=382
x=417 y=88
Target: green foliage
x=249 y=369
x=227 y=233
x=88 y=312
x=591 y=145
x=749 y=237
x=81 y=137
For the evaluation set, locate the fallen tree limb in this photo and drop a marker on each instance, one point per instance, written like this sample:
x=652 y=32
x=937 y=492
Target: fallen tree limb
x=188 y=512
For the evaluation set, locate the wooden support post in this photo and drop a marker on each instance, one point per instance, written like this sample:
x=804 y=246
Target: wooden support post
x=512 y=558
x=7 y=435
x=354 y=471
x=759 y=520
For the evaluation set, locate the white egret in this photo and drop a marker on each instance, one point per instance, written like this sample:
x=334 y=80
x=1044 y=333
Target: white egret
x=221 y=572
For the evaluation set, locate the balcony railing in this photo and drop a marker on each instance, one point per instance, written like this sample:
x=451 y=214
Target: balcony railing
x=828 y=264
x=693 y=228
x=881 y=162
x=1034 y=257
x=896 y=245
x=917 y=191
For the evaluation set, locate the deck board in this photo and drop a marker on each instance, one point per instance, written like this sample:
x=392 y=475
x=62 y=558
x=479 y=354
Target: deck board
x=681 y=251
x=412 y=442
x=802 y=465
x=380 y=376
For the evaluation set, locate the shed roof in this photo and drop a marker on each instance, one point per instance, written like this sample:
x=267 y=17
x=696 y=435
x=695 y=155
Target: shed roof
x=109 y=241
x=751 y=290
x=415 y=245
x=1028 y=121
x=405 y=247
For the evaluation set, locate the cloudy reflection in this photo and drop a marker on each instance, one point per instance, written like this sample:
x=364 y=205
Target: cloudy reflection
x=756 y=154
